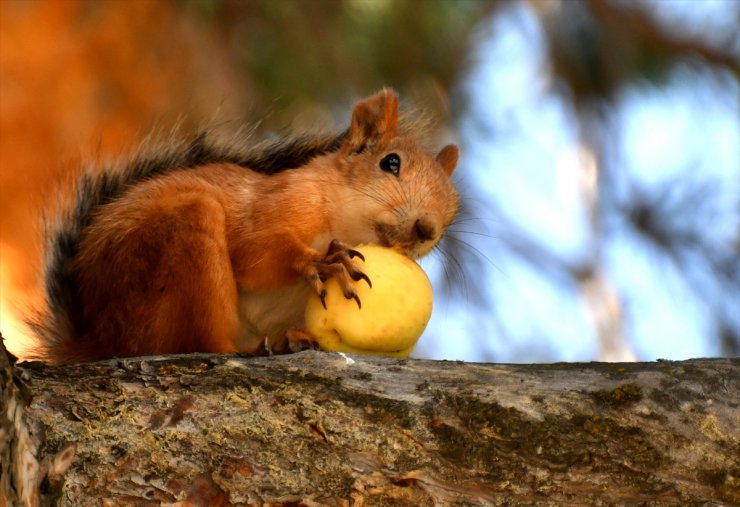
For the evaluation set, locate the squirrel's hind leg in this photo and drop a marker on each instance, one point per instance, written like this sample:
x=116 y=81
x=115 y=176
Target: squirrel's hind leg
x=160 y=280
x=200 y=309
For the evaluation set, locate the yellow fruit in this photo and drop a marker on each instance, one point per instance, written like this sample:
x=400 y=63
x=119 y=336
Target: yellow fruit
x=394 y=311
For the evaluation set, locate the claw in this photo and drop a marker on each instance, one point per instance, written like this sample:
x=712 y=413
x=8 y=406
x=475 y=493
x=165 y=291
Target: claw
x=359 y=275
x=337 y=264
x=297 y=339
x=354 y=253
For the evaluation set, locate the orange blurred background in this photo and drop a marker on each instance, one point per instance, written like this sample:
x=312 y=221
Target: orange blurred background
x=79 y=80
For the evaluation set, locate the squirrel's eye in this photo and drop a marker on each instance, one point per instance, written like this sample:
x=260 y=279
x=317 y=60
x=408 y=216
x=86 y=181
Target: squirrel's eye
x=391 y=163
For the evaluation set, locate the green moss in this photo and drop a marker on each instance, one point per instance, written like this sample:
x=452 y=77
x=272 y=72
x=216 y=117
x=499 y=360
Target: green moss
x=623 y=395
x=502 y=441
x=463 y=450
x=630 y=441
x=378 y=409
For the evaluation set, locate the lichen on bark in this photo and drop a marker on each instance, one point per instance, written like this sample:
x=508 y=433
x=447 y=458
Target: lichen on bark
x=328 y=429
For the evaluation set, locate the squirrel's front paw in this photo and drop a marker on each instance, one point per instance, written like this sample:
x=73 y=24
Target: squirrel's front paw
x=338 y=264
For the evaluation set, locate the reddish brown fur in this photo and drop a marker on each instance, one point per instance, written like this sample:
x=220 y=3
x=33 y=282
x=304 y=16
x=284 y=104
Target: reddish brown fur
x=185 y=262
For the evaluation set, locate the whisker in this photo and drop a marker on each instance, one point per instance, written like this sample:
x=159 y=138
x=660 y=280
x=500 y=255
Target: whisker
x=472 y=248
x=453 y=270
x=474 y=233
x=474 y=218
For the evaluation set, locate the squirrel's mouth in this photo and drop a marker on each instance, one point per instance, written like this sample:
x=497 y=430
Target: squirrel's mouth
x=383 y=233
x=408 y=242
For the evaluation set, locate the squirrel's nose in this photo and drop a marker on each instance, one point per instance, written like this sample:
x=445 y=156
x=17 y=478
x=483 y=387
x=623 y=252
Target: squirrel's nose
x=425 y=228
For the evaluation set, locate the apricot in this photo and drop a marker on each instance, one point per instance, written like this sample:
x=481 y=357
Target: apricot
x=394 y=311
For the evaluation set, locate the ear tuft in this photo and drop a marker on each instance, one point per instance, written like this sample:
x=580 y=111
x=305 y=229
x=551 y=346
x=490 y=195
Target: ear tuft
x=374 y=120
x=447 y=158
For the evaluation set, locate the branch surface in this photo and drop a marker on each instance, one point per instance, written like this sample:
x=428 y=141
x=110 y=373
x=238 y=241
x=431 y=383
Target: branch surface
x=319 y=428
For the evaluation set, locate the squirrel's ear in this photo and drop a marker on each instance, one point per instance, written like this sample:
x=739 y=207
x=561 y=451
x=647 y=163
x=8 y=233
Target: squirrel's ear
x=374 y=120
x=447 y=158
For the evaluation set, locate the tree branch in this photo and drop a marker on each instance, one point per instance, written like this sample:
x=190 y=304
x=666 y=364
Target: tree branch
x=323 y=429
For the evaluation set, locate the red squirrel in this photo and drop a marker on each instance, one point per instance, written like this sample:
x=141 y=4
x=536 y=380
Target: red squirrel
x=203 y=248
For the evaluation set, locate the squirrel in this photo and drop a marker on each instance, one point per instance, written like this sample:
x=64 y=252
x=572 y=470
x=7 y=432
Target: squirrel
x=207 y=248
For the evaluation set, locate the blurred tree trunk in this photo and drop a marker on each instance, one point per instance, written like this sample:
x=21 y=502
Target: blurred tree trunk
x=324 y=429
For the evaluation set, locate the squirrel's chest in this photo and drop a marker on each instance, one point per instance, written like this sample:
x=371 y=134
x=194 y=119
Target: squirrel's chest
x=269 y=314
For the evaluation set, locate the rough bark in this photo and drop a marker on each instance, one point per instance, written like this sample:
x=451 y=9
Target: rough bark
x=324 y=429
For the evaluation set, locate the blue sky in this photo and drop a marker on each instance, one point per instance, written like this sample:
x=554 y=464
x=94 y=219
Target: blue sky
x=522 y=155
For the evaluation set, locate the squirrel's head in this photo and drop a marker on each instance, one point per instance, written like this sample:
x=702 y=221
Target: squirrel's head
x=398 y=195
